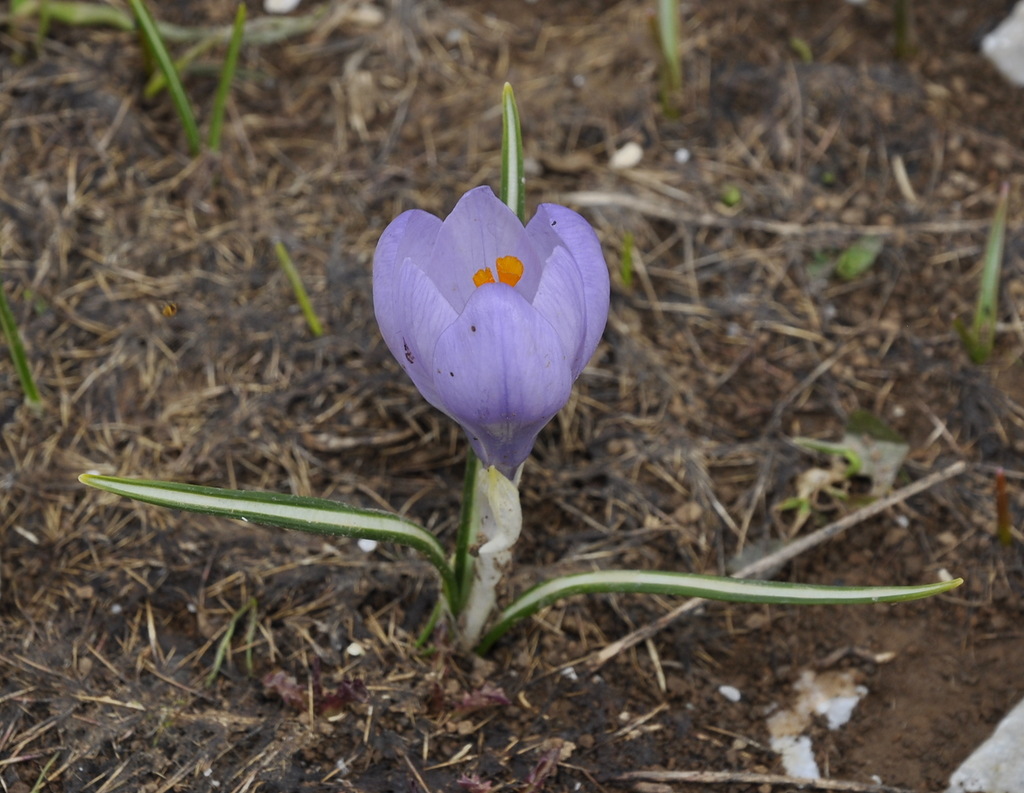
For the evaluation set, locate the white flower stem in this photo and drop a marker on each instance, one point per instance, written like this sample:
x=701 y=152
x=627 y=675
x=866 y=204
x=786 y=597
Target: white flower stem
x=501 y=520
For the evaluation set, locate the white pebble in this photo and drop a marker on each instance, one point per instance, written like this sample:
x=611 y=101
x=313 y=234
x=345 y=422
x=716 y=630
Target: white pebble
x=367 y=546
x=628 y=156
x=682 y=156
x=280 y=6
x=731 y=693
x=1004 y=46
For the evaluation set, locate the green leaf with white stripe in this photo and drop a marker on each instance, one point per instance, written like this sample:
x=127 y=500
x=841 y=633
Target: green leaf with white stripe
x=513 y=175
x=703 y=586
x=311 y=515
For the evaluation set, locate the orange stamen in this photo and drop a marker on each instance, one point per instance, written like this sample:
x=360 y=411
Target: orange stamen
x=483 y=277
x=510 y=270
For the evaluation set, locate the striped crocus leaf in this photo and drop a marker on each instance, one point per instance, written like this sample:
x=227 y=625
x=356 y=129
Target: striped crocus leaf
x=311 y=515
x=702 y=586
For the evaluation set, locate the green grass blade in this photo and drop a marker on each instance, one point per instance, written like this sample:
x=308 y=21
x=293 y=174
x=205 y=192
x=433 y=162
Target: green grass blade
x=41 y=780
x=226 y=77
x=225 y=642
x=310 y=515
x=10 y=330
x=703 y=586
x=157 y=82
x=151 y=36
x=513 y=178
x=300 y=291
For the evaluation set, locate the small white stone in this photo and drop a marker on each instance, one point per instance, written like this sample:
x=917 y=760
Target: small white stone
x=367 y=546
x=1004 y=46
x=682 y=156
x=355 y=650
x=731 y=693
x=997 y=766
x=570 y=674
x=280 y=6
x=628 y=156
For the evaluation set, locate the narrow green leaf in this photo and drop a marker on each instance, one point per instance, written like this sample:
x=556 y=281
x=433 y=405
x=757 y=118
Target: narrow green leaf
x=703 y=586
x=310 y=515
x=10 y=330
x=224 y=87
x=151 y=36
x=513 y=178
x=300 y=291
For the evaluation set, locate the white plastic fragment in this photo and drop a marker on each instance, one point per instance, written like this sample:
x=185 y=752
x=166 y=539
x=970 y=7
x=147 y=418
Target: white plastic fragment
x=367 y=546
x=833 y=695
x=280 y=6
x=797 y=756
x=1004 y=46
x=997 y=766
x=731 y=693
x=628 y=156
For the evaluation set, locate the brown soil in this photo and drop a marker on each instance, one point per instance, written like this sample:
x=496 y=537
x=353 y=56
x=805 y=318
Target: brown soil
x=675 y=453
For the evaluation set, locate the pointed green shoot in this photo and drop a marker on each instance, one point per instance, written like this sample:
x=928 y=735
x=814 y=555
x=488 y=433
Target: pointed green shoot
x=859 y=257
x=310 y=515
x=667 y=34
x=155 y=43
x=227 y=75
x=626 y=265
x=981 y=338
x=702 y=586
x=300 y=291
x=10 y=331
x=513 y=179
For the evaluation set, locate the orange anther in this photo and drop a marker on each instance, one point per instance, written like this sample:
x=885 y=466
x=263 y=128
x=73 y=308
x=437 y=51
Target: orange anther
x=483 y=277
x=510 y=270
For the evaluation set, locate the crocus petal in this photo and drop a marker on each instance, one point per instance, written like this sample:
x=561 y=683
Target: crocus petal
x=501 y=372
x=559 y=299
x=420 y=316
x=410 y=235
x=479 y=230
x=577 y=236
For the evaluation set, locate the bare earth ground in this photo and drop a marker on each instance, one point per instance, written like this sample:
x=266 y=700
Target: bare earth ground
x=675 y=453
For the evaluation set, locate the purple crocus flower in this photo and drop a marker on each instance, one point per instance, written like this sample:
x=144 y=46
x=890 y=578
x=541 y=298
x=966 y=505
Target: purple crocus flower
x=492 y=321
